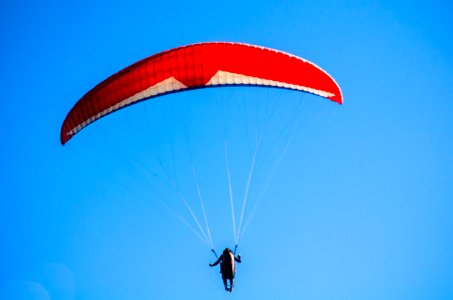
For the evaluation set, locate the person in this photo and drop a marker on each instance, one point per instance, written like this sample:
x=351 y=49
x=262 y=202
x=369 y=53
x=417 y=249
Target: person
x=227 y=267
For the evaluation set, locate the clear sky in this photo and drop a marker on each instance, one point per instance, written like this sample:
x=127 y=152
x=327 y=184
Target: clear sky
x=357 y=203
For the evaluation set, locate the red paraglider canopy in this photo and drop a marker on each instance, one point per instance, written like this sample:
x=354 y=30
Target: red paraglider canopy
x=198 y=66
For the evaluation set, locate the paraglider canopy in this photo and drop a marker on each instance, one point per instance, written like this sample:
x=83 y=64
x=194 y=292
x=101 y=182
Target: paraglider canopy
x=198 y=66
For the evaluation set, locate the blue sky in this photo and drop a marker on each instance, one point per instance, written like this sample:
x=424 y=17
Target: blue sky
x=360 y=206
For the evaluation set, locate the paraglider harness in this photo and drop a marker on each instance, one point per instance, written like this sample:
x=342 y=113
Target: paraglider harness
x=227 y=265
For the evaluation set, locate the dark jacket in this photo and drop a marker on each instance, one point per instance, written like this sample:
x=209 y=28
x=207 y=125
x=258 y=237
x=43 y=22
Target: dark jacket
x=227 y=267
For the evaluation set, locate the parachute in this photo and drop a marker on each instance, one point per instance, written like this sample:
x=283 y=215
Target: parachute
x=198 y=66
x=195 y=66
